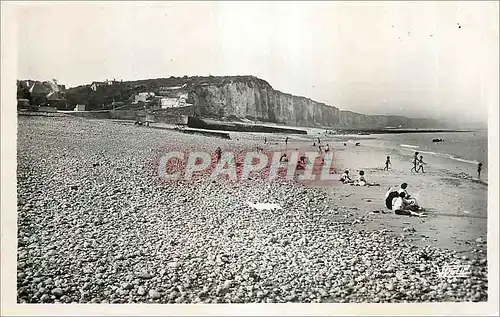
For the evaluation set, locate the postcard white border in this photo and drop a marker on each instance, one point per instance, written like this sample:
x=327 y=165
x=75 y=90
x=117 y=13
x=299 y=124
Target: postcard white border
x=9 y=229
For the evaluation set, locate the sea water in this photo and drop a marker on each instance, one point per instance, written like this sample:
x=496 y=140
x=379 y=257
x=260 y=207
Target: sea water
x=461 y=149
x=467 y=147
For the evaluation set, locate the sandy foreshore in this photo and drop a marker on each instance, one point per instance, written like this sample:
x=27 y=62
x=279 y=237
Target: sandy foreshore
x=95 y=226
x=456 y=204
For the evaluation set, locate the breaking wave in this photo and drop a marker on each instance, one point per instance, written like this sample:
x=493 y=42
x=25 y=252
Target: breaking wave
x=443 y=155
x=409 y=146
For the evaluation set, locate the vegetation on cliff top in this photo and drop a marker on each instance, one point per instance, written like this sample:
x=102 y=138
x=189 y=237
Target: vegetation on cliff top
x=105 y=95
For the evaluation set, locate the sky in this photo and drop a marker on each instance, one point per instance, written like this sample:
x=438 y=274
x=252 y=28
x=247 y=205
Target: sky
x=419 y=59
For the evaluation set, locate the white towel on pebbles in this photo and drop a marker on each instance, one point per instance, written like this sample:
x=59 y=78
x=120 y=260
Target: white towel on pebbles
x=264 y=206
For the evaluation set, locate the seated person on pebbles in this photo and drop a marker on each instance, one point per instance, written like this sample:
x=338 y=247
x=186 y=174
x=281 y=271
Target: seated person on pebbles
x=362 y=180
x=401 y=207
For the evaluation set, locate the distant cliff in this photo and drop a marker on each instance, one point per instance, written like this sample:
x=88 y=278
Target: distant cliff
x=254 y=99
x=247 y=97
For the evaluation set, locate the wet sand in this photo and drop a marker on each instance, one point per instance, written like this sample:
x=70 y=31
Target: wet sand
x=456 y=205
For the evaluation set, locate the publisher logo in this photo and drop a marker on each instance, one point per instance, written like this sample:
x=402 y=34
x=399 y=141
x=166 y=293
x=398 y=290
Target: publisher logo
x=454 y=271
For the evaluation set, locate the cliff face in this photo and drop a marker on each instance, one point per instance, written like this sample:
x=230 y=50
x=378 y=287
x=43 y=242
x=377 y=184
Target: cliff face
x=254 y=99
x=244 y=97
x=257 y=100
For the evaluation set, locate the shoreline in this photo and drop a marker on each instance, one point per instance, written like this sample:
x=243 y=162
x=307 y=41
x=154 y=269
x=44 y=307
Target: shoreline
x=398 y=131
x=230 y=126
x=450 y=198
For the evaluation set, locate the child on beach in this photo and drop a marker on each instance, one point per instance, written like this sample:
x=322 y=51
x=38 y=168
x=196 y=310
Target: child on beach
x=362 y=180
x=415 y=160
x=265 y=140
x=387 y=163
x=345 y=178
x=479 y=170
x=327 y=149
x=218 y=153
x=421 y=164
x=286 y=140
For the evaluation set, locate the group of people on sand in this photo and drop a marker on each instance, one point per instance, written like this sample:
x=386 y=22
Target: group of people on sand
x=361 y=181
x=418 y=163
x=320 y=147
x=286 y=140
x=399 y=201
x=402 y=203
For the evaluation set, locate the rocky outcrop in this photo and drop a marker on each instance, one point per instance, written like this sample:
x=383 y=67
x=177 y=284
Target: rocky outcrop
x=254 y=99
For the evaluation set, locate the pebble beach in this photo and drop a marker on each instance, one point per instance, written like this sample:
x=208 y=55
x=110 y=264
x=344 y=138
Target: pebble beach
x=96 y=226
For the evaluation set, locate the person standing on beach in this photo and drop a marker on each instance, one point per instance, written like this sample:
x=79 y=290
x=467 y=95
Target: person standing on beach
x=415 y=160
x=479 y=170
x=421 y=164
x=286 y=141
x=218 y=153
x=327 y=149
x=387 y=163
x=265 y=140
x=319 y=142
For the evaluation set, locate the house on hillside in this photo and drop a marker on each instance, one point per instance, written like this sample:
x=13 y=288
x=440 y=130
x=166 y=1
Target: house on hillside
x=97 y=84
x=169 y=103
x=57 y=96
x=46 y=93
x=144 y=96
x=180 y=101
x=39 y=92
x=38 y=89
